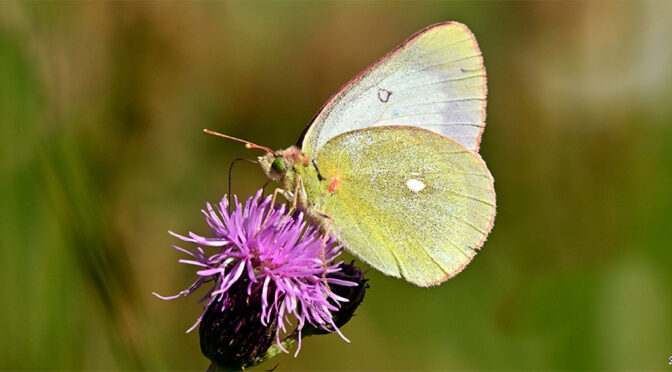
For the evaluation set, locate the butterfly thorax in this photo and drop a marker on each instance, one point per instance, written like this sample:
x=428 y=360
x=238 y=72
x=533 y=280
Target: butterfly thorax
x=297 y=172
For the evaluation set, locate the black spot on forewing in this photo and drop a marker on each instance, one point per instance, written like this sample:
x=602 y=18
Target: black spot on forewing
x=384 y=95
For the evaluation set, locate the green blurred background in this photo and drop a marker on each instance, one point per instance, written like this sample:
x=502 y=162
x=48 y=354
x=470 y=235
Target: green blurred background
x=101 y=152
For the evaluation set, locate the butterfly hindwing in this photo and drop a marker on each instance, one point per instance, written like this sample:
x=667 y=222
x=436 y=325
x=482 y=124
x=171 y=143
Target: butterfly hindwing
x=409 y=202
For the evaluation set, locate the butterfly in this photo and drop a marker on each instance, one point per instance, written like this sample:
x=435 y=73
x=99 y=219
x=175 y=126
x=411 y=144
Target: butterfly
x=391 y=160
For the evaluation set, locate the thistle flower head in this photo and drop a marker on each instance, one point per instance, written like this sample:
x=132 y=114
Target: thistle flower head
x=262 y=253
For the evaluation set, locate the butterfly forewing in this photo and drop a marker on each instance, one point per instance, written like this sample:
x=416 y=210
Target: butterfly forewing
x=434 y=80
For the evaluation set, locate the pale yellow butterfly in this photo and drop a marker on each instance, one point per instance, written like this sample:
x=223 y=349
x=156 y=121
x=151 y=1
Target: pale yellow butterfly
x=391 y=160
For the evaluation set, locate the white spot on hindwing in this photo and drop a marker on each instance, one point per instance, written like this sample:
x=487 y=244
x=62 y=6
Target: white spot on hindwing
x=415 y=185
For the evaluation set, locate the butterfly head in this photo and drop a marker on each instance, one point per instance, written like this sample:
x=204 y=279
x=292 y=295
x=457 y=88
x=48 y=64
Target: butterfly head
x=278 y=164
x=274 y=165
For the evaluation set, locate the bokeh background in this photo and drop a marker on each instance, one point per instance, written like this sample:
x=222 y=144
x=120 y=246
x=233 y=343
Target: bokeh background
x=101 y=152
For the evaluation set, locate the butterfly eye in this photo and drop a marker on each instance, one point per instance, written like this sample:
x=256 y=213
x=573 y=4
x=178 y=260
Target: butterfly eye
x=278 y=165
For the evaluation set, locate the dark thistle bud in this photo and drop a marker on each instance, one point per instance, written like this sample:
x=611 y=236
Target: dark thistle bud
x=354 y=294
x=234 y=338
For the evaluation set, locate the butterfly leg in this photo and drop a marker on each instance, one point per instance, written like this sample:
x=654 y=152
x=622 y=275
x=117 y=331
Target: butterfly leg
x=283 y=193
x=295 y=197
x=324 y=243
x=275 y=195
x=327 y=231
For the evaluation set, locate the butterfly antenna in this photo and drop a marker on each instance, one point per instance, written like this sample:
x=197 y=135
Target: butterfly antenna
x=248 y=144
x=263 y=188
x=231 y=171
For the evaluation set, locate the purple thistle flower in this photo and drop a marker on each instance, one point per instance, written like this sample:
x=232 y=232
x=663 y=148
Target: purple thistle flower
x=276 y=256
